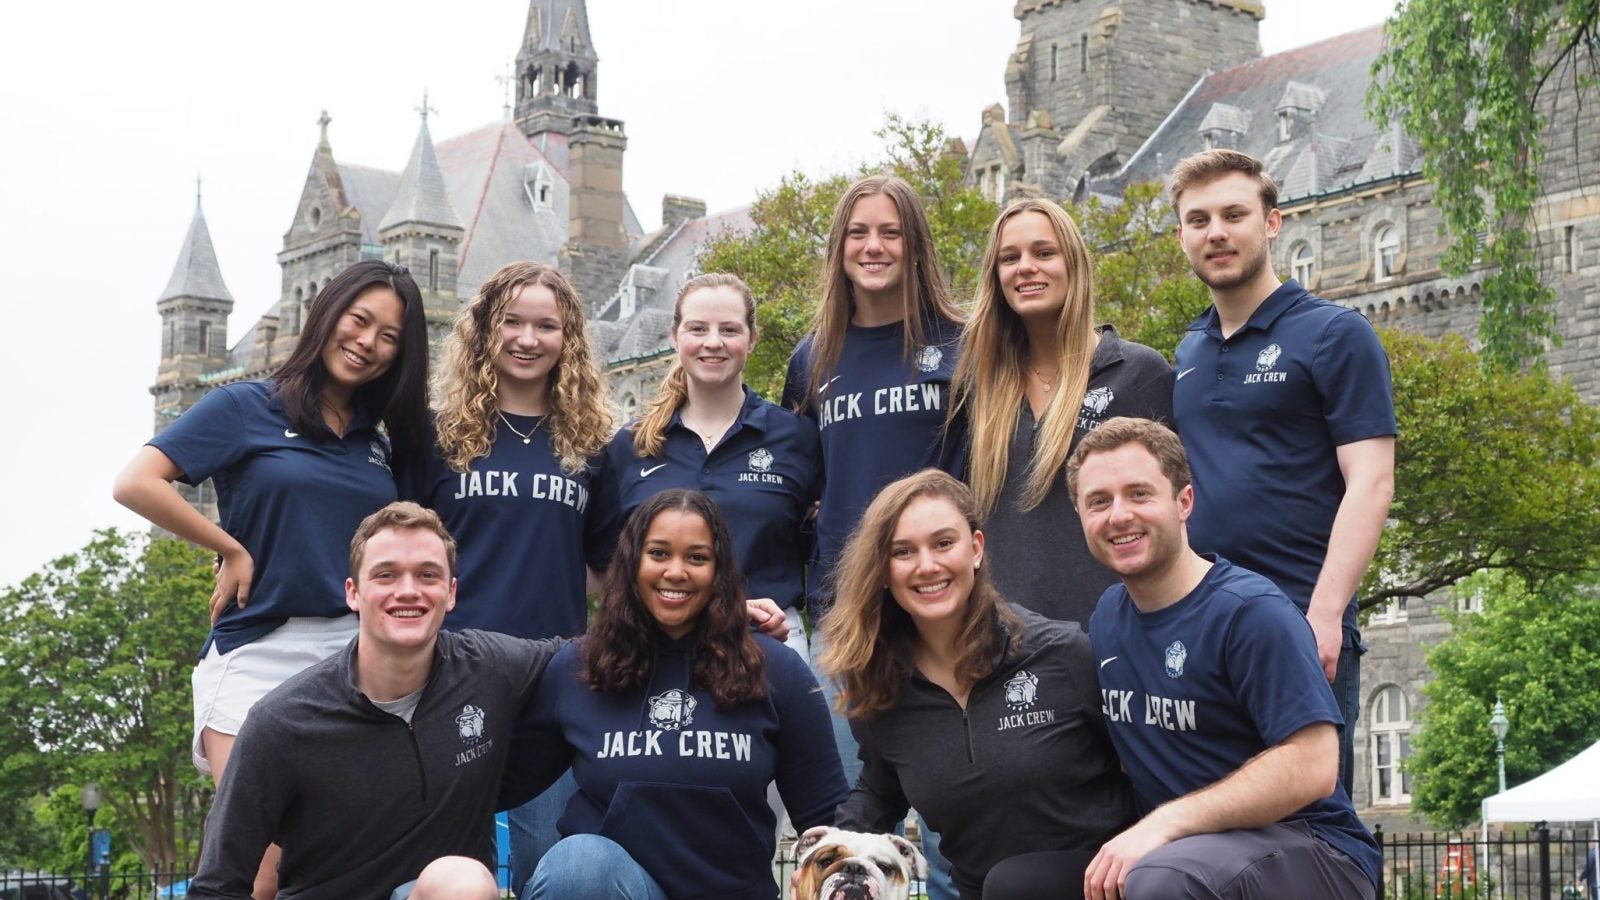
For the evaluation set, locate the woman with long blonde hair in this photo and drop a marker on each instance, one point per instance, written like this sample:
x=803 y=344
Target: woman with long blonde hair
x=1035 y=376
x=517 y=476
x=984 y=716
x=707 y=431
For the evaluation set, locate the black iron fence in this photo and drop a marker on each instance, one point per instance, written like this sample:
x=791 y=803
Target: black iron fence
x=140 y=884
x=1542 y=863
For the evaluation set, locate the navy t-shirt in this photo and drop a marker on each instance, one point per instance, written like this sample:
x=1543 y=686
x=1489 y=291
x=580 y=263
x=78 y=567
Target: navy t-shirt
x=1194 y=691
x=1261 y=414
x=523 y=530
x=293 y=500
x=764 y=474
x=881 y=418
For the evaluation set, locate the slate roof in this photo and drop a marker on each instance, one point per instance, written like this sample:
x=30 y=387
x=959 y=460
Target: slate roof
x=1341 y=149
x=372 y=191
x=547 y=19
x=485 y=173
x=196 y=273
x=421 y=197
x=648 y=332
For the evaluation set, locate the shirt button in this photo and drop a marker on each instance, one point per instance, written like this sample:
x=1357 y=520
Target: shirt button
x=1219 y=376
x=1226 y=348
x=706 y=471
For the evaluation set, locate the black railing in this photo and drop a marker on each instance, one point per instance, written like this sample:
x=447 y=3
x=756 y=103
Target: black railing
x=1538 y=864
x=140 y=884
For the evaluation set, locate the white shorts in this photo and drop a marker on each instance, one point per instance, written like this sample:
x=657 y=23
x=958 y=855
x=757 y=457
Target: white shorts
x=226 y=685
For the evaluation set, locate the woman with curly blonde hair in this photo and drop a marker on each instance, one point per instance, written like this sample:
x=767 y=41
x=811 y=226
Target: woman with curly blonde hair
x=517 y=473
x=1035 y=376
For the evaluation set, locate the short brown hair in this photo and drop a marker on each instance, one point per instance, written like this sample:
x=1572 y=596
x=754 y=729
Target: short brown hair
x=1160 y=440
x=1209 y=165
x=403 y=515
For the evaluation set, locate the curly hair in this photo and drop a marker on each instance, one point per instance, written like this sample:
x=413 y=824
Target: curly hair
x=991 y=374
x=650 y=432
x=579 y=413
x=618 y=654
x=869 y=638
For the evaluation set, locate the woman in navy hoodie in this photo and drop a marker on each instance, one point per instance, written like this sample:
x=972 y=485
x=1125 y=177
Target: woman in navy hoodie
x=677 y=718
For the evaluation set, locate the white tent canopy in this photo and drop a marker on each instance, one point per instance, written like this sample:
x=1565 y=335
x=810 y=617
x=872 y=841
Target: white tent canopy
x=1568 y=793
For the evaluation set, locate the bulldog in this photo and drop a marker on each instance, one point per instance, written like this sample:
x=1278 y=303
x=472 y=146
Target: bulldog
x=849 y=865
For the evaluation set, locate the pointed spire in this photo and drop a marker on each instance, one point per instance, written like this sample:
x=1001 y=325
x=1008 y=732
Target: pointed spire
x=421 y=197
x=197 y=273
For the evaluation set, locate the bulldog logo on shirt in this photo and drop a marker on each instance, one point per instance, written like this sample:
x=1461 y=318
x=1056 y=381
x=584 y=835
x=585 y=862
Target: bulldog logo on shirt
x=1098 y=400
x=378 y=455
x=672 y=710
x=1176 y=654
x=930 y=357
x=1268 y=358
x=1022 y=690
x=470 y=723
x=760 y=460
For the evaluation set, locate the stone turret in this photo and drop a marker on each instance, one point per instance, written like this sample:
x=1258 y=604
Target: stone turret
x=422 y=232
x=596 y=253
x=557 y=69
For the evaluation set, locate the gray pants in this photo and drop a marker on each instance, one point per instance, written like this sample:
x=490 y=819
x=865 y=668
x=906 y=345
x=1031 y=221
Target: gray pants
x=1282 y=860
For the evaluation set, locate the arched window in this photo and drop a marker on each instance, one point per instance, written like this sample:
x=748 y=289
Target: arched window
x=316 y=217
x=1303 y=262
x=1389 y=724
x=630 y=406
x=1385 y=252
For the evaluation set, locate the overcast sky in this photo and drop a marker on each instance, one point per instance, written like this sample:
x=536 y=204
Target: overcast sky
x=111 y=108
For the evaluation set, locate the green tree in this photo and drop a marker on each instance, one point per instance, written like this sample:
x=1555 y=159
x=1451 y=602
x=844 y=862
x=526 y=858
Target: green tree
x=95 y=656
x=1142 y=280
x=781 y=257
x=1535 y=649
x=1464 y=77
x=1493 y=470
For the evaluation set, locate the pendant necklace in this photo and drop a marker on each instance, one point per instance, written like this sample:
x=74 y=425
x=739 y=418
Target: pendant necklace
x=526 y=438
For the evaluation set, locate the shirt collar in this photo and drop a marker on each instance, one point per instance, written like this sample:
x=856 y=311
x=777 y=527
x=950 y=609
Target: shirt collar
x=752 y=413
x=1277 y=303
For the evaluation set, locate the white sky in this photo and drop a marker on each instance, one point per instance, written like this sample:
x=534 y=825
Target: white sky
x=111 y=108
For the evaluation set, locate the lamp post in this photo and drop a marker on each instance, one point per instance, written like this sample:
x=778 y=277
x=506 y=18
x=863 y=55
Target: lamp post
x=1499 y=724
x=91 y=802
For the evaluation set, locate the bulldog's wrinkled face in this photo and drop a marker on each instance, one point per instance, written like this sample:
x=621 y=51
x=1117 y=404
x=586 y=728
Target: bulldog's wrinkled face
x=849 y=865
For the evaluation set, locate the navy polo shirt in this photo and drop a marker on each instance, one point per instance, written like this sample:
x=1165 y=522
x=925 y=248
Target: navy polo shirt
x=1261 y=414
x=764 y=474
x=523 y=530
x=1194 y=691
x=293 y=500
x=881 y=418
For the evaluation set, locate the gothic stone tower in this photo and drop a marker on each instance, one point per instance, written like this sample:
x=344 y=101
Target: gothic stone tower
x=1090 y=80
x=557 y=101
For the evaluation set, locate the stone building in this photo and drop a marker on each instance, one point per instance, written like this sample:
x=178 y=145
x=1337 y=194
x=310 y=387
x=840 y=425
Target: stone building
x=545 y=185
x=1104 y=94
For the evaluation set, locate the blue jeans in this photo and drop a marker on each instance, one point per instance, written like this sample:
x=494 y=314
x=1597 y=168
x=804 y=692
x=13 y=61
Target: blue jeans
x=939 y=884
x=533 y=828
x=1347 y=693
x=591 y=867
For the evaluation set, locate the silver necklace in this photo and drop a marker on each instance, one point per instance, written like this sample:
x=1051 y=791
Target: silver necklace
x=526 y=438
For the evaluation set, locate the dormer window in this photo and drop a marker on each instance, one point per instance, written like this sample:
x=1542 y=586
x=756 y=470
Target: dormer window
x=1285 y=125
x=538 y=185
x=628 y=298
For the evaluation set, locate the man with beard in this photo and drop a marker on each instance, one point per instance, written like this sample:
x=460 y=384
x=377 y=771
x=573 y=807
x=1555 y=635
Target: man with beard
x=1284 y=405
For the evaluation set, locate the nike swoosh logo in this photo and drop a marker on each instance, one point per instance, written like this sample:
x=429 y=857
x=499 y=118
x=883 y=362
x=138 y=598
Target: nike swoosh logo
x=1108 y=661
x=288 y=433
x=645 y=473
x=1180 y=377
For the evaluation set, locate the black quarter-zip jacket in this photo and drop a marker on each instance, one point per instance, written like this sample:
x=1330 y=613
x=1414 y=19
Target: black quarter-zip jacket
x=1027 y=766
x=359 y=800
